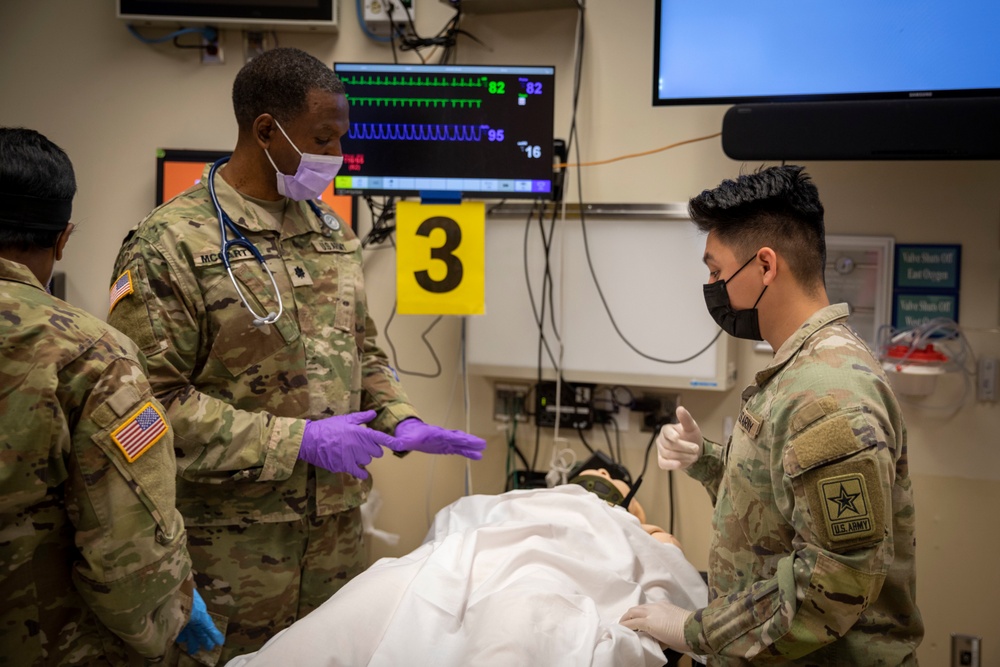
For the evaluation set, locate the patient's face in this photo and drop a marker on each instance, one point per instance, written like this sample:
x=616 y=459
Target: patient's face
x=634 y=508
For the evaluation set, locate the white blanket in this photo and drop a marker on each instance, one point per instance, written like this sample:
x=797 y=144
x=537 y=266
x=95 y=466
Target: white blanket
x=534 y=577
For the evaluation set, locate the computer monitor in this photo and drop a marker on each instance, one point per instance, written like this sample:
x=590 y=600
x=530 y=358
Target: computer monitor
x=848 y=80
x=300 y=15
x=179 y=169
x=732 y=51
x=448 y=131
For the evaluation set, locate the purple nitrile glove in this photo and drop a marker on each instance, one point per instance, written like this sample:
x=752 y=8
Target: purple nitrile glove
x=414 y=435
x=343 y=443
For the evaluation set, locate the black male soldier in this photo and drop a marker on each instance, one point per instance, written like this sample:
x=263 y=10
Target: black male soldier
x=270 y=373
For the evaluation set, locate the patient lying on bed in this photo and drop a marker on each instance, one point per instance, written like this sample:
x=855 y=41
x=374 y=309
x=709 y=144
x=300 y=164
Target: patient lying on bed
x=532 y=577
x=615 y=491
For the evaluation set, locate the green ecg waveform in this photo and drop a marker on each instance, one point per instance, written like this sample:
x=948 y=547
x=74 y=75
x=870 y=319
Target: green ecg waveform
x=455 y=82
x=428 y=102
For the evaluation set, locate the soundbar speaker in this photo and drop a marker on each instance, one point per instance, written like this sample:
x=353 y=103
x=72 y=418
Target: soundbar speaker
x=910 y=129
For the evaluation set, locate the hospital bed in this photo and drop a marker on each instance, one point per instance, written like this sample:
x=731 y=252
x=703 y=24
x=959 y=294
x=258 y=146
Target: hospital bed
x=531 y=577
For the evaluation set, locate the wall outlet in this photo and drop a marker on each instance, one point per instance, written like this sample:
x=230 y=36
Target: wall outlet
x=211 y=51
x=965 y=651
x=510 y=402
x=663 y=406
x=986 y=380
x=379 y=13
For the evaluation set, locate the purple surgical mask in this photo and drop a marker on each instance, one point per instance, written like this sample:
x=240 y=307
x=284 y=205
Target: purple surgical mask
x=313 y=176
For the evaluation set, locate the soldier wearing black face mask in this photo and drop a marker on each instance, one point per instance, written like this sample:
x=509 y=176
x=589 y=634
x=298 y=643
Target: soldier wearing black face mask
x=812 y=560
x=738 y=323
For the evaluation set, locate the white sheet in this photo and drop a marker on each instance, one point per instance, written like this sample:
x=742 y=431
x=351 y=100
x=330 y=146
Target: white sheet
x=534 y=577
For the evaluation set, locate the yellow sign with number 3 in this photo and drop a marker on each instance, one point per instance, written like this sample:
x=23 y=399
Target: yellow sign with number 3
x=441 y=258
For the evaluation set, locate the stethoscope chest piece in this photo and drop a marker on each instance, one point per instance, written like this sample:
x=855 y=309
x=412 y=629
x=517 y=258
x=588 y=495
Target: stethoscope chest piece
x=331 y=222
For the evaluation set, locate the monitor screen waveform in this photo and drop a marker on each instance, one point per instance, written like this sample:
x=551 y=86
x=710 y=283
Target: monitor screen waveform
x=421 y=132
x=472 y=131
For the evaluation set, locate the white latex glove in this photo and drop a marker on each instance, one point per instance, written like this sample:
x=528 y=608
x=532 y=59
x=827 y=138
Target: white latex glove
x=663 y=621
x=679 y=445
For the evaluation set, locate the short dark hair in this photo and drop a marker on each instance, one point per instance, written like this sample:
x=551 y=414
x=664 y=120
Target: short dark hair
x=778 y=207
x=278 y=82
x=32 y=166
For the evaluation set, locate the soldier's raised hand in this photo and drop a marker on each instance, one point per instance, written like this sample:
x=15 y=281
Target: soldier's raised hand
x=679 y=445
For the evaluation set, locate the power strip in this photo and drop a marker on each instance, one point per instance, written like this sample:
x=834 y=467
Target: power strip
x=377 y=12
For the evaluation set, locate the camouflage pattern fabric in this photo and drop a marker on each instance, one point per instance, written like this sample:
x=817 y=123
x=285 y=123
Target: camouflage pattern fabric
x=273 y=560
x=237 y=394
x=95 y=569
x=812 y=562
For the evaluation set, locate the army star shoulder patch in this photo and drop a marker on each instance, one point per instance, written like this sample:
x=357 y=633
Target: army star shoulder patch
x=140 y=432
x=121 y=289
x=847 y=509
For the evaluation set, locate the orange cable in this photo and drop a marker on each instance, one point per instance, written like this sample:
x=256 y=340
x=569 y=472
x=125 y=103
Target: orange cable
x=632 y=155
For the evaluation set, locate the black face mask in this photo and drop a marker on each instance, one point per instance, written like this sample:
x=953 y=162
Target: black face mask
x=736 y=323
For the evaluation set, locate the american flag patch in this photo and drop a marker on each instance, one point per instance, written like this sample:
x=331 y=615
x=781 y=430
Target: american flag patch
x=140 y=432
x=121 y=289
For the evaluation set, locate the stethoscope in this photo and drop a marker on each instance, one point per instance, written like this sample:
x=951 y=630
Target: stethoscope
x=226 y=225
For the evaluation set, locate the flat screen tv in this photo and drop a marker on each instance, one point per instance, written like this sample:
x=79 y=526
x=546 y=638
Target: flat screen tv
x=298 y=15
x=178 y=169
x=448 y=132
x=729 y=51
x=919 y=78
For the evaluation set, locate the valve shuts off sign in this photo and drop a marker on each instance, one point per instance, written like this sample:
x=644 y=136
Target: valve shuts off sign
x=926 y=284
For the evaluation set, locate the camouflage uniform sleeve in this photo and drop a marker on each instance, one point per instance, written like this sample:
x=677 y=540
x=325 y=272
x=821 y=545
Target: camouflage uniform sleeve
x=164 y=316
x=381 y=388
x=134 y=571
x=838 y=473
x=709 y=467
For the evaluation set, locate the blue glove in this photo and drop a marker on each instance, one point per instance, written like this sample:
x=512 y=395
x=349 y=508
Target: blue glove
x=414 y=435
x=200 y=634
x=343 y=443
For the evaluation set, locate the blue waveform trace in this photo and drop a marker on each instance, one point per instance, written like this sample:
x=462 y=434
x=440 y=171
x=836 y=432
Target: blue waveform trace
x=418 y=132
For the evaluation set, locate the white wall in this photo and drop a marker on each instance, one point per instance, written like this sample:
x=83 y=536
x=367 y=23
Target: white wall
x=69 y=69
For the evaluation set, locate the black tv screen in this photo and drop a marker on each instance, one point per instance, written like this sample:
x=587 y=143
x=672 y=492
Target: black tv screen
x=734 y=51
x=448 y=131
x=256 y=10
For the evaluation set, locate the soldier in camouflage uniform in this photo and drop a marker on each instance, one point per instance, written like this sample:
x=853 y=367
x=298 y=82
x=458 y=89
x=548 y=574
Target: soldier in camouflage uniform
x=95 y=569
x=813 y=557
x=270 y=441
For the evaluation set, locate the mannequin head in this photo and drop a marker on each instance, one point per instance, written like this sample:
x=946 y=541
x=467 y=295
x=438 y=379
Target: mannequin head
x=598 y=481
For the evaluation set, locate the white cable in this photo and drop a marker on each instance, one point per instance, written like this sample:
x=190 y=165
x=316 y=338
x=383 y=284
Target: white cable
x=468 y=411
x=561 y=463
x=560 y=229
x=447 y=415
x=948 y=338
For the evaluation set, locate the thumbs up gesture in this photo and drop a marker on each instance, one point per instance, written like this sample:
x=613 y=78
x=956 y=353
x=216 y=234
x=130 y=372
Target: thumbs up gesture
x=679 y=445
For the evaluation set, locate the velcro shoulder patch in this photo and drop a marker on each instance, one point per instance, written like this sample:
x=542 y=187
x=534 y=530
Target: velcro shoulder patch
x=812 y=412
x=140 y=432
x=123 y=399
x=121 y=288
x=826 y=441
